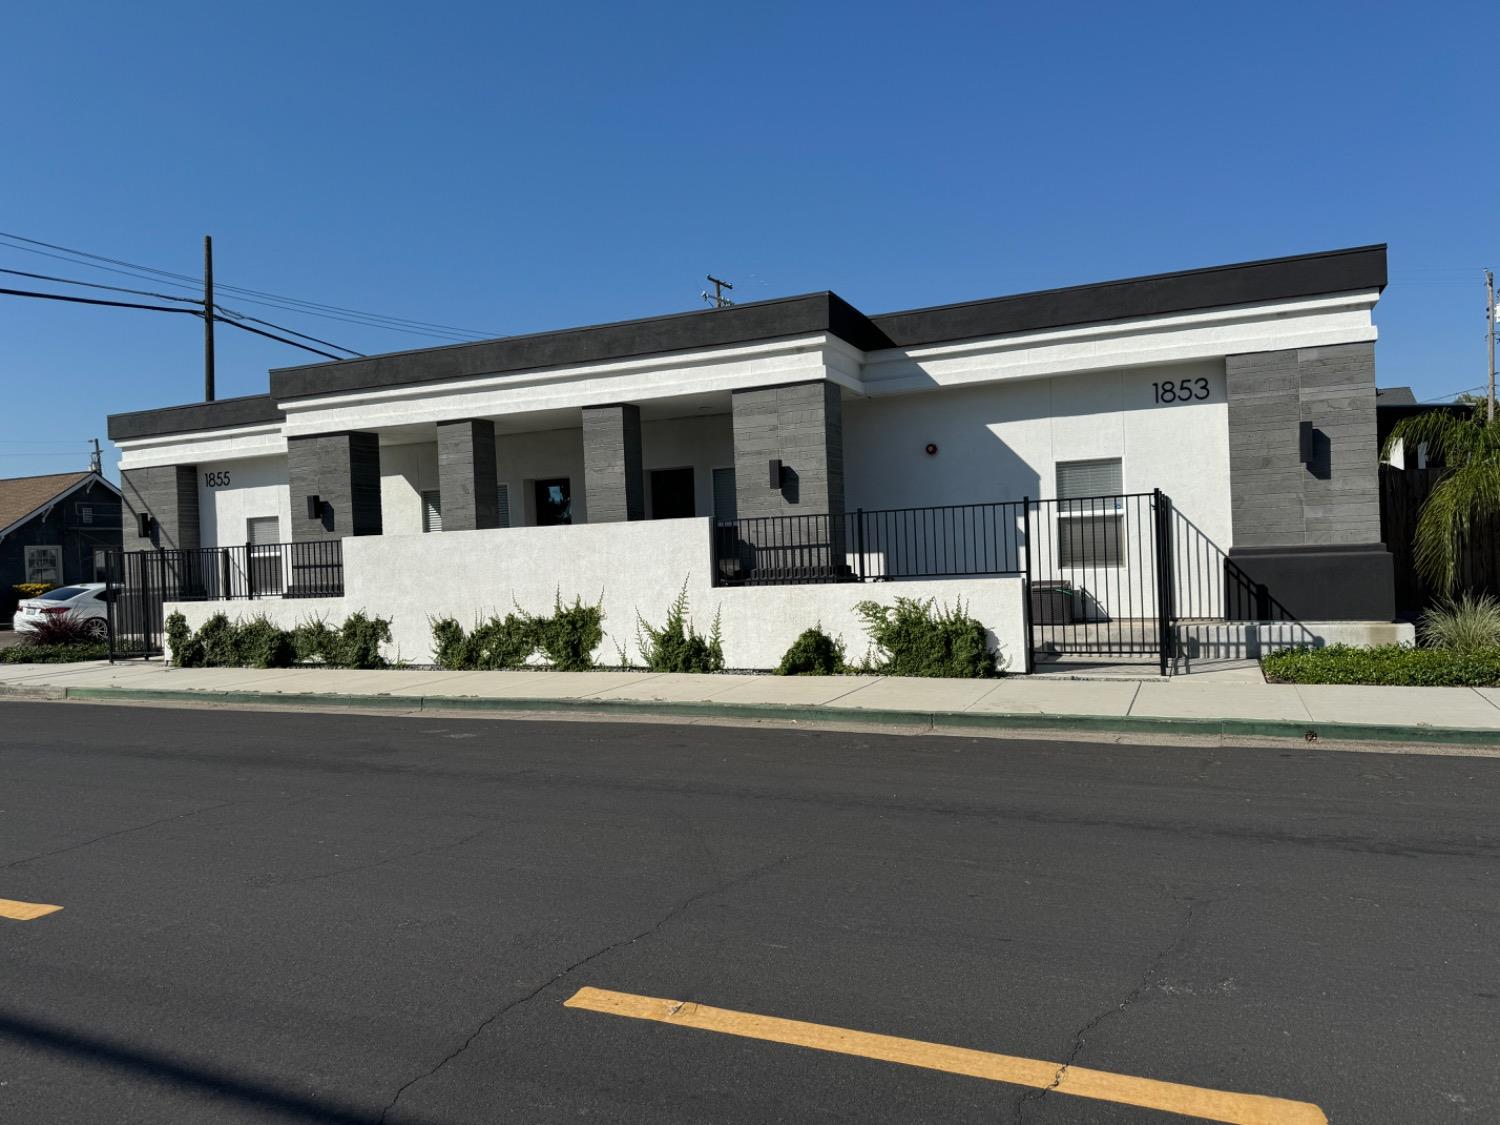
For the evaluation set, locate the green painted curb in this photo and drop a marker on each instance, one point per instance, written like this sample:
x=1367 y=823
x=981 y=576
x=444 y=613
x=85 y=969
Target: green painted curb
x=953 y=720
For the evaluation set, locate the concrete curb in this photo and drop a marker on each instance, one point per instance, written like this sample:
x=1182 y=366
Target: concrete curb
x=946 y=720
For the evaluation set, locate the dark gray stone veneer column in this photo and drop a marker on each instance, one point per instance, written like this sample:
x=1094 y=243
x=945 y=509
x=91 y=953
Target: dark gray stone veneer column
x=1306 y=536
x=467 y=478
x=802 y=426
x=614 y=482
x=344 y=471
x=169 y=494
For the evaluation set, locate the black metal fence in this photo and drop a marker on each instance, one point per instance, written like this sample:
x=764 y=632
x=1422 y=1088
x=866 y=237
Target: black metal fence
x=1106 y=575
x=956 y=540
x=139 y=583
x=1101 y=576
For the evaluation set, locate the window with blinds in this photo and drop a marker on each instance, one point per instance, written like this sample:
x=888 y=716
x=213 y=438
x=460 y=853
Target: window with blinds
x=725 y=505
x=1090 y=513
x=502 y=502
x=263 y=533
x=432 y=511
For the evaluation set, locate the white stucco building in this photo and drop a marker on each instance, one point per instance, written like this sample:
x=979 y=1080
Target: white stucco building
x=799 y=440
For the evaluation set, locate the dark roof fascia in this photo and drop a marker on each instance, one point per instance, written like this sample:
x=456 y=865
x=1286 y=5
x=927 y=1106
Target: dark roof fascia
x=221 y=414
x=708 y=328
x=1303 y=275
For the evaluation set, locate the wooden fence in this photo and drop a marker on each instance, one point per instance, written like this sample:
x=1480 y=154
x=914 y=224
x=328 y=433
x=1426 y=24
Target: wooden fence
x=1402 y=493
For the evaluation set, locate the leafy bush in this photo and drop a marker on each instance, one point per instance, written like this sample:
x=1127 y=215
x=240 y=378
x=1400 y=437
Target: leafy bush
x=569 y=637
x=260 y=643
x=913 y=639
x=53 y=654
x=33 y=589
x=216 y=637
x=1384 y=665
x=315 y=640
x=179 y=634
x=63 y=629
x=448 y=644
x=360 y=640
x=1468 y=624
x=676 y=647
x=814 y=653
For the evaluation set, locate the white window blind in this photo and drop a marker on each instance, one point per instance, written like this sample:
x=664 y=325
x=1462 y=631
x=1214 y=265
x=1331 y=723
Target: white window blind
x=1090 y=534
x=263 y=531
x=1078 y=479
x=432 y=511
x=503 y=503
x=725 y=505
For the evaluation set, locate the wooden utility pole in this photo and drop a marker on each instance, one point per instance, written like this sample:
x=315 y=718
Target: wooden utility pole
x=1489 y=316
x=208 y=318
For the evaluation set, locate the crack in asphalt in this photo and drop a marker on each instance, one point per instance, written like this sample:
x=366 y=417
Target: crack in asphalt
x=119 y=832
x=677 y=909
x=1080 y=1037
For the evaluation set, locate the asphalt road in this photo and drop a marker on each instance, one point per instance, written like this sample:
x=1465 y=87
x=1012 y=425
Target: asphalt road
x=339 y=919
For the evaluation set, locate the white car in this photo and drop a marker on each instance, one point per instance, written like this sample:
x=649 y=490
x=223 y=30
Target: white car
x=84 y=601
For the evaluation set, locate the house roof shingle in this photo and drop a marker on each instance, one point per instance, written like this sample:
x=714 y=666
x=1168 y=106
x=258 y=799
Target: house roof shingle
x=20 y=496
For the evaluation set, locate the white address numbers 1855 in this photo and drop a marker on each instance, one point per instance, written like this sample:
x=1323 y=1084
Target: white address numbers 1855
x=1184 y=390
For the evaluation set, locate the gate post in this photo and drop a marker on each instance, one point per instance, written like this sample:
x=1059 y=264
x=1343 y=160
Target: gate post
x=1166 y=613
x=1030 y=657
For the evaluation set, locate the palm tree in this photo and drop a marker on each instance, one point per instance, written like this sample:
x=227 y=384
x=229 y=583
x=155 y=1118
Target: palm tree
x=1470 y=489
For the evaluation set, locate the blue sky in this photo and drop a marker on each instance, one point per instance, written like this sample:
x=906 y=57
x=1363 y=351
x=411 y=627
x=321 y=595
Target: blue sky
x=509 y=168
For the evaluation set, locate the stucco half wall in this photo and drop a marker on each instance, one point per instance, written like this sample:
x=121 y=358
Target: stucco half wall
x=636 y=568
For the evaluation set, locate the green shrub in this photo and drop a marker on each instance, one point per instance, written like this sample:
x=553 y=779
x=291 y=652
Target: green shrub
x=260 y=644
x=814 y=653
x=676 y=647
x=359 y=642
x=913 y=639
x=500 y=642
x=53 y=654
x=314 y=640
x=218 y=640
x=1384 y=665
x=1469 y=624
x=569 y=637
x=448 y=644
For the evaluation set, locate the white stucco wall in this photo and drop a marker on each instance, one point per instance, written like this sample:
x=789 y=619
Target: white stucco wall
x=256 y=488
x=636 y=567
x=1003 y=441
x=406 y=471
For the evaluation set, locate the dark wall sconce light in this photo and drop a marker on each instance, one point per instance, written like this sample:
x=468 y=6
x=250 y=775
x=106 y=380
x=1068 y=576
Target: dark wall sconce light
x=314 y=507
x=1305 y=442
x=775 y=472
x=143 y=524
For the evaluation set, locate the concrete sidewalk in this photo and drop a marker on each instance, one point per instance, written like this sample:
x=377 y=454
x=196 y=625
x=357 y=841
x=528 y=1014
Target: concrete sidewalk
x=1238 y=706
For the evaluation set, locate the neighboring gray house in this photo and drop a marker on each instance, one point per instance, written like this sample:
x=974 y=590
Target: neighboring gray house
x=55 y=529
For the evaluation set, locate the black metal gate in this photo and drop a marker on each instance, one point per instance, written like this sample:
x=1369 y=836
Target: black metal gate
x=1102 y=577
x=138 y=584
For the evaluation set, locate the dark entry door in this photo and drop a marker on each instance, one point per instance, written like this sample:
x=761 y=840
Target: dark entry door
x=554 y=502
x=672 y=494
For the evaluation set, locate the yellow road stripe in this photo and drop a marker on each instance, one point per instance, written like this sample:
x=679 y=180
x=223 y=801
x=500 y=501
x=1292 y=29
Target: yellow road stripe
x=25 y=911
x=1170 y=1097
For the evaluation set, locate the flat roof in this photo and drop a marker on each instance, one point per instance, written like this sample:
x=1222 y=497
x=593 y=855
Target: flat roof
x=1302 y=275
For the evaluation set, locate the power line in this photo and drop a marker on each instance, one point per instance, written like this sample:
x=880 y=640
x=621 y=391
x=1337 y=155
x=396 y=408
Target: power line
x=378 y=320
x=96 y=285
x=188 y=300
x=95 y=301
x=163 y=308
